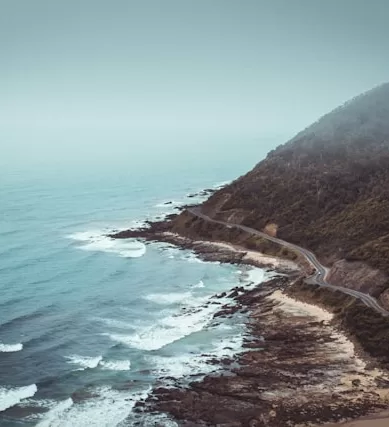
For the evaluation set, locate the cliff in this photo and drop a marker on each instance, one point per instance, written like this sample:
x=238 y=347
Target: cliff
x=327 y=189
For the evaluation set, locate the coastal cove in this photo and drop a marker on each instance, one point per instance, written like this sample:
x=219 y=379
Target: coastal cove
x=194 y=213
x=89 y=324
x=299 y=367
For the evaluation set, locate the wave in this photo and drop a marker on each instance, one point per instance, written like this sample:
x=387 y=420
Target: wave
x=221 y=184
x=15 y=322
x=85 y=362
x=116 y=365
x=10 y=348
x=158 y=419
x=190 y=364
x=254 y=276
x=119 y=324
x=192 y=257
x=169 y=329
x=97 y=241
x=108 y=407
x=199 y=285
x=51 y=417
x=167 y=299
x=169 y=250
x=12 y=396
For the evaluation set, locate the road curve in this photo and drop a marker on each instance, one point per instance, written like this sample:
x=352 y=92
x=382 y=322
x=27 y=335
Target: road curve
x=319 y=277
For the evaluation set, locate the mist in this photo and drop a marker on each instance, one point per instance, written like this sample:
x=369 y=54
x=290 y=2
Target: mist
x=107 y=77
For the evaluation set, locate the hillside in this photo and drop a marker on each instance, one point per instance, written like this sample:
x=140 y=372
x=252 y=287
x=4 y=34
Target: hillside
x=327 y=189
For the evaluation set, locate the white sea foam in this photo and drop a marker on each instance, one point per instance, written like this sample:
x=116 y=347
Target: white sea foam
x=221 y=184
x=178 y=366
x=51 y=418
x=120 y=338
x=97 y=241
x=136 y=225
x=171 y=251
x=9 y=348
x=85 y=362
x=168 y=329
x=155 y=419
x=119 y=324
x=253 y=277
x=228 y=346
x=199 y=285
x=193 y=364
x=12 y=396
x=116 y=365
x=191 y=257
x=171 y=298
x=108 y=409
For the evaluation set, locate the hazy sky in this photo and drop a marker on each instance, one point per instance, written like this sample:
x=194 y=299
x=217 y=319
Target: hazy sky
x=239 y=67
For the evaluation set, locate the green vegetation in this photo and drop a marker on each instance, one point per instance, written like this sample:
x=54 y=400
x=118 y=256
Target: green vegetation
x=327 y=189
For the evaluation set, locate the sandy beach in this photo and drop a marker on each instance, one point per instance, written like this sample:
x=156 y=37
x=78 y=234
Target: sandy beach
x=299 y=370
x=378 y=420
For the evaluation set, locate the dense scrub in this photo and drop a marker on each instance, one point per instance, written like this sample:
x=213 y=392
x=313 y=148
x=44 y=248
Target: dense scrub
x=193 y=227
x=327 y=189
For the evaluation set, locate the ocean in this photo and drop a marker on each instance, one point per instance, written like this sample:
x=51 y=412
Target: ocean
x=88 y=325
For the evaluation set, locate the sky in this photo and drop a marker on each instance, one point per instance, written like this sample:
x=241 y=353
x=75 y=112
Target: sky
x=158 y=68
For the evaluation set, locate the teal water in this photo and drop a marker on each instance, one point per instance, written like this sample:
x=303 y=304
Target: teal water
x=88 y=324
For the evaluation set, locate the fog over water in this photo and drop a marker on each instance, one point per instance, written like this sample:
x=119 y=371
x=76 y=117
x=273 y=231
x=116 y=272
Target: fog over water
x=115 y=112
x=97 y=76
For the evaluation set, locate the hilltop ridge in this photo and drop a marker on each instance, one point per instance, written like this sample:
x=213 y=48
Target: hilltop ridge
x=327 y=189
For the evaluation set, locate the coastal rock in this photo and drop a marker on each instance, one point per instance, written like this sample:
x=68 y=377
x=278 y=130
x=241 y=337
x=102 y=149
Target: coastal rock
x=277 y=379
x=327 y=189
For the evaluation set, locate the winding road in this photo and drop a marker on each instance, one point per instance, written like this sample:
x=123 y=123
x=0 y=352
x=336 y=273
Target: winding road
x=319 y=277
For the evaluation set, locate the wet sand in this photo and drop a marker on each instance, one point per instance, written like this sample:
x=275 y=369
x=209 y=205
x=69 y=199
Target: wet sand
x=378 y=420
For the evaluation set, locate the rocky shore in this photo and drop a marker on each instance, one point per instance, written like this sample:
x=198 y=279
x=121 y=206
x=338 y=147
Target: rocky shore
x=213 y=251
x=298 y=368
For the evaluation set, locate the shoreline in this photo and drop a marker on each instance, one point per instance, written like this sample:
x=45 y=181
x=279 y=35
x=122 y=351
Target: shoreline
x=380 y=419
x=294 y=358
x=325 y=377
x=227 y=252
x=337 y=381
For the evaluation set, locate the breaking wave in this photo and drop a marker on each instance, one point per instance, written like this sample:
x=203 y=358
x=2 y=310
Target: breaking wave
x=116 y=365
x=108 y=407
x=12 y=396
x=96 y=241
x=10 y=348
x=84 y=362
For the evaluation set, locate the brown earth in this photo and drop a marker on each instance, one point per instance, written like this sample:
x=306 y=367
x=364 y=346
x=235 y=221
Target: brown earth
x=327 y=190
x=297 y=369
x=377 y=420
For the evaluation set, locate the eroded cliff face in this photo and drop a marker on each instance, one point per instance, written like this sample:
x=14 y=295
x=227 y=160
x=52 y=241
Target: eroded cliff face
x=327 y=190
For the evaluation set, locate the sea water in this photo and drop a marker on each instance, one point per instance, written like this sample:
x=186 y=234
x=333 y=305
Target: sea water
x=89 y=324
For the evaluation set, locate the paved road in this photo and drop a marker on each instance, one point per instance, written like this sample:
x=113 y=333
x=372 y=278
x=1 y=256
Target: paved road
x=319 y=277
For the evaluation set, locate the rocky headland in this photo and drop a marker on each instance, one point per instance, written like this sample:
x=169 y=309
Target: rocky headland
x=298 y=369
x=313 y=355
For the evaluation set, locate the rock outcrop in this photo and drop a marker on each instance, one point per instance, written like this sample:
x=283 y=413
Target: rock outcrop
x=327 y=190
